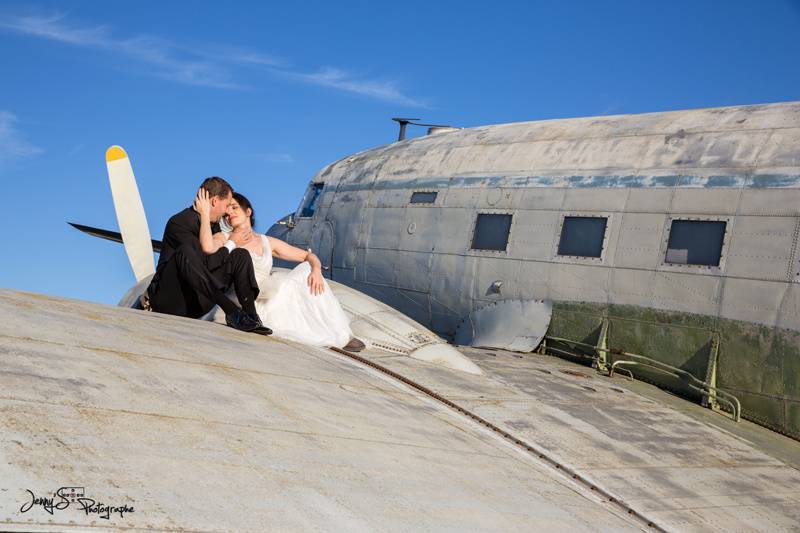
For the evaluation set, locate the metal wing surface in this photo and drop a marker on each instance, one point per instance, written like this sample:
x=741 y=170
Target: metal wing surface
x=200 y=427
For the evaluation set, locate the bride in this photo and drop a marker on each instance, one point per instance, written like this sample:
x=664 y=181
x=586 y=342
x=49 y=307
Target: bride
x=299 y=306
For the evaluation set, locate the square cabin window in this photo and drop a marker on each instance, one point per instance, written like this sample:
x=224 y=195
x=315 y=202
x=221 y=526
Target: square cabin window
x=491 y=232
x=582 y=236
x=309 y=205
x=423 y=197
x=695 y=242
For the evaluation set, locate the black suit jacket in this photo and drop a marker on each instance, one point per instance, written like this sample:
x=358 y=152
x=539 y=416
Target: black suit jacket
x=184 y=228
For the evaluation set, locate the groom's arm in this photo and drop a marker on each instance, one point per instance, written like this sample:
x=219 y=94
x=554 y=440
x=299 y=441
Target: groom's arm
x=186 y=230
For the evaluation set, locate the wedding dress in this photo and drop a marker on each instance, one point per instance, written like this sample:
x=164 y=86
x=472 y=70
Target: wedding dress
x=286 y=305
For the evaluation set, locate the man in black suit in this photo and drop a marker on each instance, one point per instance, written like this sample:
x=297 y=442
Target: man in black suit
x=188 y=282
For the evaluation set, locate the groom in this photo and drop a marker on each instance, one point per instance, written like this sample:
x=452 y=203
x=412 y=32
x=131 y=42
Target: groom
x=189 y=282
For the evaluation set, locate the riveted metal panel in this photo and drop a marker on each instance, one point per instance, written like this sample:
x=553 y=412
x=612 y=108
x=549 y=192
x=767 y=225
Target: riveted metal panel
x=461 y=197
x=789 y=312
x=688 y=293
x=423 y=230
x=541 y=198
x=300 y=235
x=536 y=231
x=753 y=366
x=770 y=202
x=360 y=270
x=752 y=300
x=696 y=201
x=761 y=248
x=649 y=200
x=415 y=305
x=348 y=217
x=489 y=271
x=453 y=232
x=396 y=198
x=534 y=280
x=412 y=270
x=578 y=320
x=639 y=244
x=499 y=198
x=632 y=287
x=685 y=346
x=379 y=266
x=382 y=227
x=595 y=200
x=452 y=281
x=580 y=282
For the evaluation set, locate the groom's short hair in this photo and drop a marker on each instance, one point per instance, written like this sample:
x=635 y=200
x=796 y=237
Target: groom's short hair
x=216 y=186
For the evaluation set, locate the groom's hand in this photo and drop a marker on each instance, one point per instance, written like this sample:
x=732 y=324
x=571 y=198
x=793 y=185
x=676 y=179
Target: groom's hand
x=202 y=203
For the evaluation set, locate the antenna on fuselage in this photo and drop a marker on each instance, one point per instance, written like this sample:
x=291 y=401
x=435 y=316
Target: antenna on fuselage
x=432 y=128
x=403 y=123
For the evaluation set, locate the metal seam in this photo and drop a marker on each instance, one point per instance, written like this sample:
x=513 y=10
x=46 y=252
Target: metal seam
x=541 y=455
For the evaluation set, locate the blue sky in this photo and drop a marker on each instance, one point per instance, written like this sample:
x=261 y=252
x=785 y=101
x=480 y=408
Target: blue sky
x=267 y=93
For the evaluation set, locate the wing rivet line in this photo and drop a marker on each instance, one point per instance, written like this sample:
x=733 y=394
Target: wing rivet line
x=507 y=436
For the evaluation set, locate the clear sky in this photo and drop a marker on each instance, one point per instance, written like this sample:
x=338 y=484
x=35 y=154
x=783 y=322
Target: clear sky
x=267 y=93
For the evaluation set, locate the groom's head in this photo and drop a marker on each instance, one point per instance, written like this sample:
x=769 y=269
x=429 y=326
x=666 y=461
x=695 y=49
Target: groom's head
x=220 y=193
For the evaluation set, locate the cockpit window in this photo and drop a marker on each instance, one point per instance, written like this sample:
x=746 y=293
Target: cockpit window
x=309 y=205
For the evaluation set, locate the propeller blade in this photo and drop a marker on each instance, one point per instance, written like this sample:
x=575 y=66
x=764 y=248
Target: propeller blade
x=130 y=213
x=109 y=235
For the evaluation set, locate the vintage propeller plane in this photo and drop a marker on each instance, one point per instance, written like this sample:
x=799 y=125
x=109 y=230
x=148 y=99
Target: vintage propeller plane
x=661 y=246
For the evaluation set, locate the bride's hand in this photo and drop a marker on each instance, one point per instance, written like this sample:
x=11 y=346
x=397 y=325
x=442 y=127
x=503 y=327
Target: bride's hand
x=241 y=238
x=202 y=203
x=316 y=282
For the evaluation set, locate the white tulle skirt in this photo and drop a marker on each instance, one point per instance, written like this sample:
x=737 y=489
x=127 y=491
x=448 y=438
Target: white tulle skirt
x=287 y=306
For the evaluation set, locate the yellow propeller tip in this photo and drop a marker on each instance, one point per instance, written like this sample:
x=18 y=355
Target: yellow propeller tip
x=114 y=153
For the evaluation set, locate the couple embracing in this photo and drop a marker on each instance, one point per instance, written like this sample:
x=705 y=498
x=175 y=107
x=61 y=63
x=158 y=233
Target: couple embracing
x=201 y=267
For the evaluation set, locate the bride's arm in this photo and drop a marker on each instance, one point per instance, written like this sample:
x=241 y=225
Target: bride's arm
x=287 y=252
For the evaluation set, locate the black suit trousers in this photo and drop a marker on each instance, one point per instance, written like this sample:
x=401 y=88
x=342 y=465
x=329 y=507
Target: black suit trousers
x=185 y=286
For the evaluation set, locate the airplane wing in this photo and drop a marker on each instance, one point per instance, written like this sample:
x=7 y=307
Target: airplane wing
x=193 y=425
x=178 y=423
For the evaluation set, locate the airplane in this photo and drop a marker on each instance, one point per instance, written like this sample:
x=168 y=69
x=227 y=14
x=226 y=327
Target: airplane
x=661 y=246
x=666 y=243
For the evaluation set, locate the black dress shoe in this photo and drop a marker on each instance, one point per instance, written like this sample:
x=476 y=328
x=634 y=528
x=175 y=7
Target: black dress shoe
x=245 y=322
x=261 y=329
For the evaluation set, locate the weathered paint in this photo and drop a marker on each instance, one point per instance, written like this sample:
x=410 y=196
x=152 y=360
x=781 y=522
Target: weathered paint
x=743 y=181
x=740 y=165
x=757 y=364
x=199 y=427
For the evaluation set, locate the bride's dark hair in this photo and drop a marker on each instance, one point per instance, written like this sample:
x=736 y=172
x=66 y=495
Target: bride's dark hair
x=245 y=205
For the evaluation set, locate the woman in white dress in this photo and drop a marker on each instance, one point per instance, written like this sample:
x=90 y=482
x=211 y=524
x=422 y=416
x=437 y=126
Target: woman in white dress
x=298 y=306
